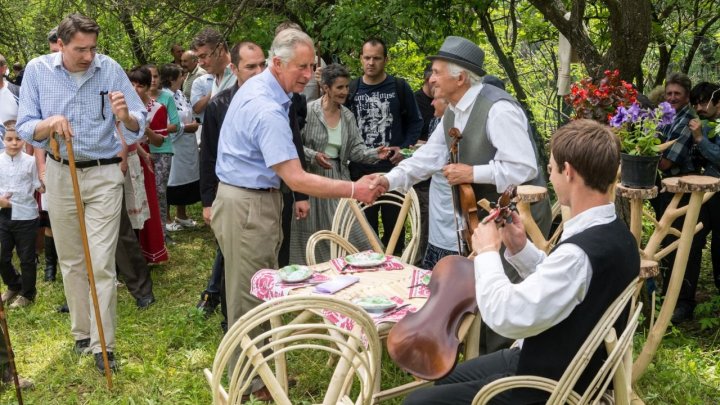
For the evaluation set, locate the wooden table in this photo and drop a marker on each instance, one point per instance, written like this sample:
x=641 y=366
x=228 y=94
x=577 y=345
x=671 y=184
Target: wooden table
x=701 y=189
x=391 y=283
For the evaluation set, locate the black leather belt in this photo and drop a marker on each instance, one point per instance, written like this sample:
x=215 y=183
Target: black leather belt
x=88 y=163
x=267 y=190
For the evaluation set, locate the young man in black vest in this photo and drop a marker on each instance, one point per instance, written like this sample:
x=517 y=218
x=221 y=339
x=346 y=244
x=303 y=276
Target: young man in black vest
x=387 y=115
x=562 y=295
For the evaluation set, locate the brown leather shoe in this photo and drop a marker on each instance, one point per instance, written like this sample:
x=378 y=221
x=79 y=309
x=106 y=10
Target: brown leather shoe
x=263 y=395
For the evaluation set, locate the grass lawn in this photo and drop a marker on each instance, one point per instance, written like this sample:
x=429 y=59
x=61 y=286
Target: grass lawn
x=163 y=349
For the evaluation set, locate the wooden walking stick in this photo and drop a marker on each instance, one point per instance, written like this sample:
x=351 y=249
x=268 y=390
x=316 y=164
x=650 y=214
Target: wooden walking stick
x=11 y=355
x=88 y=260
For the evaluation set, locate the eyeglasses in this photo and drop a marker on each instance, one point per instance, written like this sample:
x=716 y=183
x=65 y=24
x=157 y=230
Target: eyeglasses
x=205 y=56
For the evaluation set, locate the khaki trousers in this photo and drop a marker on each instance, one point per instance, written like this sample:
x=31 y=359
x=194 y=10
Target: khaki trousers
x=247 y=226
x=101 y=190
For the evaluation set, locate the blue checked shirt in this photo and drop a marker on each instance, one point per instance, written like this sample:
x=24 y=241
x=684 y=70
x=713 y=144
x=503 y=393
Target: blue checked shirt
x=682 y=153
x=255 y=134
x=48 y=89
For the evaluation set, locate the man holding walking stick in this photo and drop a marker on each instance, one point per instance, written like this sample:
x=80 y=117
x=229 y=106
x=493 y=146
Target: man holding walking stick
x=79 y=95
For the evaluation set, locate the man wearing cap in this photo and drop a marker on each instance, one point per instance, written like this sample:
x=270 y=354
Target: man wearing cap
x=496 y=149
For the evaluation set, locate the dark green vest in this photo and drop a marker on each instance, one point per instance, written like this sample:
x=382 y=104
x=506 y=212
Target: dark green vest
x=476 y=149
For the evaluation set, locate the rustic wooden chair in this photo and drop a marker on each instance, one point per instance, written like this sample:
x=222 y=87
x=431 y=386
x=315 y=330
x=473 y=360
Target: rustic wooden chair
x=358 y=350
x=349 y=213
x=617 y=368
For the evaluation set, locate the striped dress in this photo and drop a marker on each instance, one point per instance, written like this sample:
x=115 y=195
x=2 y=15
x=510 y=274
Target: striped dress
x=322 y=210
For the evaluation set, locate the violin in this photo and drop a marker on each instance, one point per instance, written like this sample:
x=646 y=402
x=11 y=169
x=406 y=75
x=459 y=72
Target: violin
x=464 y=202
x=500 y=212
x=426 y=343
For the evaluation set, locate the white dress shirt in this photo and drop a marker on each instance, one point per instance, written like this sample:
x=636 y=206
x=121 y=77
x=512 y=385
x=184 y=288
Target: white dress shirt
x=552 y=285
x=20 y=180
x=514 y=162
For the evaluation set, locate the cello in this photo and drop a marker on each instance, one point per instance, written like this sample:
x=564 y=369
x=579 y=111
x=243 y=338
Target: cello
x=426 y=343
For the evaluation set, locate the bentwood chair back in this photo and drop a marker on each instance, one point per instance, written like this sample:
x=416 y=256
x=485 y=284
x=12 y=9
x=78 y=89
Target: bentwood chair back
x=286 y=348
x=616 y=368
x=346 y=221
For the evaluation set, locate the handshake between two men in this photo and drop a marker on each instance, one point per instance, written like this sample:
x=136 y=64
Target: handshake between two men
x=369 y=187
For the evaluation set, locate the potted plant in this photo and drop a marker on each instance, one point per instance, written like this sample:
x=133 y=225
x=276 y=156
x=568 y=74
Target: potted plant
x=640 y=140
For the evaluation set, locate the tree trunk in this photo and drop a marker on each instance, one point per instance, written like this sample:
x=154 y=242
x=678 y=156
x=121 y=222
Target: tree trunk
x=629 y=24
x=137 y=48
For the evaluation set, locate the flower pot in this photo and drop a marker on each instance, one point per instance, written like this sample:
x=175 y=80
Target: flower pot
x=638 y=171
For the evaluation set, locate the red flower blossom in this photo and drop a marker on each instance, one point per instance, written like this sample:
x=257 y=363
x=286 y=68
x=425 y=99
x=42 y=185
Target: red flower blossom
x=599 y=101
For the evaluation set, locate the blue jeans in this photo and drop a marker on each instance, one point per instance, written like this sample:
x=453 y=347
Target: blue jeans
x=433 y=254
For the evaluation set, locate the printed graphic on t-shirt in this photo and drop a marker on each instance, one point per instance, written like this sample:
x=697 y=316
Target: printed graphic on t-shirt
x=374 y=117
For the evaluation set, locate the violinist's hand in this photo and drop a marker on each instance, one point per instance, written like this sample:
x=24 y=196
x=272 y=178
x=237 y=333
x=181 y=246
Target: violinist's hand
x=486 y=238
x=458 y=173
x=513 y=234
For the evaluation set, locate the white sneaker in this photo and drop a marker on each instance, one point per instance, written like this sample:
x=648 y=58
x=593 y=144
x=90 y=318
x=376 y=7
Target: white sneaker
x=186 y=223
x=173 y=226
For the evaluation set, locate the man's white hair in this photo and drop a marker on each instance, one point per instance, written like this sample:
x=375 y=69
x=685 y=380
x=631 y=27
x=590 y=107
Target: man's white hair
x=284 y=44
x=455 y=70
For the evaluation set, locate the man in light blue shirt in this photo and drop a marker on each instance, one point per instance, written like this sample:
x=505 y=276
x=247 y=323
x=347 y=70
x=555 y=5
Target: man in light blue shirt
x=80 y=95
x=255 y=151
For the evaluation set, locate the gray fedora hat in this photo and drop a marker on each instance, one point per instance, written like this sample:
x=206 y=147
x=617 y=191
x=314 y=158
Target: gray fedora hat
x=462 y=52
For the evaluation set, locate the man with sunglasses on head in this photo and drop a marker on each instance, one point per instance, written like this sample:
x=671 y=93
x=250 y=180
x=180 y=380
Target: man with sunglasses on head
x=81 y=95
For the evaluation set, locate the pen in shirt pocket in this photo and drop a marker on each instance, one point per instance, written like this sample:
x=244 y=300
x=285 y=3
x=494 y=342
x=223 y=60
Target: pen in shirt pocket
x=102 y=103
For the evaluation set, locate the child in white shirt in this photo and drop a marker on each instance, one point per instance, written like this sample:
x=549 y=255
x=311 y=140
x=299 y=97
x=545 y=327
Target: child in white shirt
x=18 y=219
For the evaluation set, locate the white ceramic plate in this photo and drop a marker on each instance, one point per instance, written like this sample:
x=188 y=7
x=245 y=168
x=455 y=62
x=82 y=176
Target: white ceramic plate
x=375 y=303
x=365 y=259
x=295 y=273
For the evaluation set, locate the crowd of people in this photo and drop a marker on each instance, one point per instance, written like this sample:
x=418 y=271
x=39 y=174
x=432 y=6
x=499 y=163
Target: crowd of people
x=267 y=144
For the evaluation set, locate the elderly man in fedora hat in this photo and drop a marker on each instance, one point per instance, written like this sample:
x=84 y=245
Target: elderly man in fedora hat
x=496 y=149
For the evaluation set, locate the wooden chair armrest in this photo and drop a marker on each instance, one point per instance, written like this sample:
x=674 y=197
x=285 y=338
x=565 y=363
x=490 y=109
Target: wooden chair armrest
x=521 y=381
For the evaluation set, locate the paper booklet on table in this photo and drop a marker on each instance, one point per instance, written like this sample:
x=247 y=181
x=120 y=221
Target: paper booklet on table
x=336 y=284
